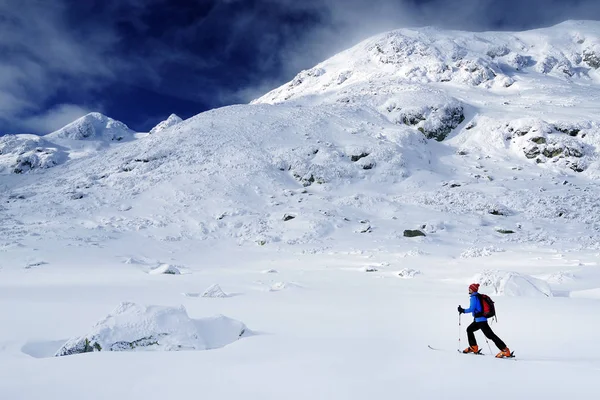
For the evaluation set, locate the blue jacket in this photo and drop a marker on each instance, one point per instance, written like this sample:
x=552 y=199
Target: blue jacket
x=475 y=307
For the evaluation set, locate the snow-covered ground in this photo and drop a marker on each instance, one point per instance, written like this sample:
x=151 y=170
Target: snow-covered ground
x=314 y=243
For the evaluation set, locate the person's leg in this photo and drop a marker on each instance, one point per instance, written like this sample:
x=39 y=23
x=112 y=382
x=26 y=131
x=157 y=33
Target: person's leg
x=487 y=331
x=471 y=329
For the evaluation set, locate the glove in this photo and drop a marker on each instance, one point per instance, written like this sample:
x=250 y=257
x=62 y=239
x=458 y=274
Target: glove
x=461 y=310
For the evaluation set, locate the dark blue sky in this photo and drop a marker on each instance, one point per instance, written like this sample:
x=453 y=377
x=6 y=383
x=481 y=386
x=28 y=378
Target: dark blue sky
x=140 y=60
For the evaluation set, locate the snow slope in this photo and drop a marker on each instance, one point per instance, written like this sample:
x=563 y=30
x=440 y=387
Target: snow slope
x=167 y=123
x=372 y=188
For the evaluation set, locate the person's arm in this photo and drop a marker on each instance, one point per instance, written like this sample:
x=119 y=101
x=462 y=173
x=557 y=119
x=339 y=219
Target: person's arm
x=472 y=305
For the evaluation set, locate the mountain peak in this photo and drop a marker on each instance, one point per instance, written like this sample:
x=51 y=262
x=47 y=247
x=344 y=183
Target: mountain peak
x=169 y=122
x=93 y=126
x=452 y=60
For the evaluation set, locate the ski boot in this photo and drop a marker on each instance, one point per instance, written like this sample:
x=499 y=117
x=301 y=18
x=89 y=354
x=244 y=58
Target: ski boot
x=506 y=353
x=472 y=349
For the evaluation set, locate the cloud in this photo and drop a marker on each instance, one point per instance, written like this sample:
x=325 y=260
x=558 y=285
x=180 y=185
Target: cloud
x=55 y=118
x=44 y=55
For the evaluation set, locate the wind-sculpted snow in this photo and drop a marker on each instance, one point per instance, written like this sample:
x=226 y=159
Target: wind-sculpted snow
x=510 y=283
x=133 y=327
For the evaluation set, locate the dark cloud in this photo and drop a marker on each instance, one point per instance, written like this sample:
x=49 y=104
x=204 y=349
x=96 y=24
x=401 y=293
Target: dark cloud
x=140 y=60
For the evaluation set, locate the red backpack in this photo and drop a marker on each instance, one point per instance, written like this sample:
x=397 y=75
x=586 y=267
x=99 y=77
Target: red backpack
x=487 y=306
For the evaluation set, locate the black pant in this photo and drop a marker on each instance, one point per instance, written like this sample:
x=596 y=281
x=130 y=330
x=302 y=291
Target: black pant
x=487 y=331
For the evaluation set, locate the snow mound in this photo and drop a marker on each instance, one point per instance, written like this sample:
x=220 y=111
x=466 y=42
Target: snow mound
x=480 y=252
x=408 y=273
x=560 y=277
x=214 y=291
x=94 y=126
x=512 y=284
x=277 y=286
x=133 y=327
x=166 y=269
x=270 y=271
x=23 y=153
x=166 y=124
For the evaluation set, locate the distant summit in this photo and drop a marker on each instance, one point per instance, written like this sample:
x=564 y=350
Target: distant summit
x=167 y=123
x=94 y=126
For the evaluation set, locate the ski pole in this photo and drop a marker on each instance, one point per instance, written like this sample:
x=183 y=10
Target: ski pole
x=488 y=343
x=459 y=329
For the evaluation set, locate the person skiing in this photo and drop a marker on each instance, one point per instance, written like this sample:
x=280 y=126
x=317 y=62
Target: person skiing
x=480 y=322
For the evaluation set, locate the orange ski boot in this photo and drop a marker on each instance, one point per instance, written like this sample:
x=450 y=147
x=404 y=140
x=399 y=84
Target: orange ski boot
x=504 y=353
x=471 y=349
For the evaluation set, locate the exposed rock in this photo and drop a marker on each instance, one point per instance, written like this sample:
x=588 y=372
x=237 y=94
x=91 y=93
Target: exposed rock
x=441 y=122
x=532 y=152
x=591 y=59
x=552 y=151
x=358 y=157
x=413 y=233
x=539 y=140
x=166 y=269
x=287 y=217
x=568 y=131
x=573 y=152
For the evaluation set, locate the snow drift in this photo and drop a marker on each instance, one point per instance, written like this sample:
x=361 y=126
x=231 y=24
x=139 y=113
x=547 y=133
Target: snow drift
x=512 y=284
x=133 y=327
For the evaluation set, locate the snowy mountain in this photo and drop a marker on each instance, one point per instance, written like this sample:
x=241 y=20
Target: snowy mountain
x=167 y=123
x=423 y=120
x=334 y=211
x=529 y=91
x=94 y=126
x=23 y=153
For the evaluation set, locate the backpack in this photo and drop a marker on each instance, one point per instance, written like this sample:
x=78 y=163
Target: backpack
x=487 y=305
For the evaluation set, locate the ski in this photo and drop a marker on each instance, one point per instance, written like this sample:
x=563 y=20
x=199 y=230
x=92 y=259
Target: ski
x=479 y=353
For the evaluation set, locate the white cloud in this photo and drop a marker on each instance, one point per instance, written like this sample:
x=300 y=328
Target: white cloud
x=55 y=118
x=43 y=54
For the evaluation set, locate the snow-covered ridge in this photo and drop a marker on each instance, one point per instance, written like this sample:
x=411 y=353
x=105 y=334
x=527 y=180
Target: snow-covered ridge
x=568 y=52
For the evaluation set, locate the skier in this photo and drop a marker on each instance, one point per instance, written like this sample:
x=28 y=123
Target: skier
x=480 y=322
